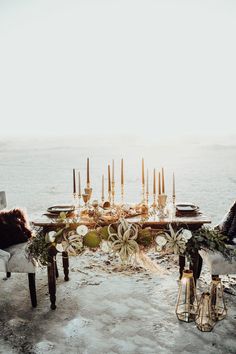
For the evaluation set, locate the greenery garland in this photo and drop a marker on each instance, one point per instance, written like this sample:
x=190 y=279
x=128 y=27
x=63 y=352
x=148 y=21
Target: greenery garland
x=125 y=239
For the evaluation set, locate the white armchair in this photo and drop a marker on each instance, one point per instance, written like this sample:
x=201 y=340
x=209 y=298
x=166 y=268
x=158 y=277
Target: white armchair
x=14 y=260
x=217 y=264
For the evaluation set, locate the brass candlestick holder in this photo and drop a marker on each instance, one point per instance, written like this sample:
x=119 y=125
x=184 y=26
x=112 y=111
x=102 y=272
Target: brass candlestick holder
x=143 y=194
x=147 y=198
x=161 y=205
x=75 y=198
x=122 y=194
x=154 y=205
x=173 y=199
x=113 y=193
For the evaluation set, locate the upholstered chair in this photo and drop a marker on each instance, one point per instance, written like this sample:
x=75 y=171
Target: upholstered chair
x=14 y=260
x=216 y=263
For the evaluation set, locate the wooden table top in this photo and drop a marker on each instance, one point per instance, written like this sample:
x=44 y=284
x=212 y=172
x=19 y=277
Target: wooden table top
x=152 y=221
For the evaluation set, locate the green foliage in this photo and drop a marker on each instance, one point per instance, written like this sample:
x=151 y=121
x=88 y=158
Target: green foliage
x=38 y=248
x=212 y=240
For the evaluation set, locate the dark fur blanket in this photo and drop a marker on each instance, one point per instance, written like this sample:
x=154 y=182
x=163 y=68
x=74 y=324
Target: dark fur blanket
x=14 y=228
x=228 y=224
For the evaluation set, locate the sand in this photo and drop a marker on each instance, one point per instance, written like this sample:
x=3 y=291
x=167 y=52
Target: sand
x=102 y=310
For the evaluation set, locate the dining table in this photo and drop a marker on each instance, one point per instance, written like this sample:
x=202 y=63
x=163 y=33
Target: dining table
x=192 y=223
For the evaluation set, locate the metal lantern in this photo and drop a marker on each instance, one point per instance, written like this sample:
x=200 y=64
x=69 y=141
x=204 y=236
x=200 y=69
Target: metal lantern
x=217 y=298
x=187 y=301
x=204 y=316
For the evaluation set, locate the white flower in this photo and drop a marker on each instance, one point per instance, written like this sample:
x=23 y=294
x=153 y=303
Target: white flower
x=160 y=241
x=59 y=247
x=187 y=234
x=82 y=230
x=62 y=215
x=50 y=236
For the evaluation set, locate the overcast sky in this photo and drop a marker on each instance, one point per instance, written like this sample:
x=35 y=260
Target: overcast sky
x=157 y=67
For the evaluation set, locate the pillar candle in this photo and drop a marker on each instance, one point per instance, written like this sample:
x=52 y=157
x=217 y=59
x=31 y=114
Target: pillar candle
x=163 y=180
x=154 y=181
x=74 y=183
x=143 y=178
x=159 y=183
x=122 y=172
x=88 y=177
x=109 y=178
x=79 y=185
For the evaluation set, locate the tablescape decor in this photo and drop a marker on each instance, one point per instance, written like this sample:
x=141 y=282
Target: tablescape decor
x=109 y=184
x=154 y=205
x=74 y=189
x=186 y=305
x=147 y=189
x=219 y=308
x=204 y=318
x=163 y=180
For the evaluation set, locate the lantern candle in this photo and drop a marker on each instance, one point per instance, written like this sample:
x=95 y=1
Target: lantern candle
x=88 y=176
x=74 y=182
x=163 y=180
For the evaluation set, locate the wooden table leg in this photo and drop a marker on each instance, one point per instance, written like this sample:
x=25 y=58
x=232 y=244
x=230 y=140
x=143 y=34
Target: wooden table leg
x=65 y=261
x=52 y=276
x=196 y=265
x=181 y=265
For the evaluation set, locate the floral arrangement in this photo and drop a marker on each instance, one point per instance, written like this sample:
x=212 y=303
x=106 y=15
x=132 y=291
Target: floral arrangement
x=125 y=240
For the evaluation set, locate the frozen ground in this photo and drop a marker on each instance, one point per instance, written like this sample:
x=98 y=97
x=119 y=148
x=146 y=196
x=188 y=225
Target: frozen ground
x=102 y=310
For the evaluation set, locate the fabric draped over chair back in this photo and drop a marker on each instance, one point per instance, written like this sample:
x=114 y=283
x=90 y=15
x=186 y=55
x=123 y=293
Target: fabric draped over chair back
x=228 y=224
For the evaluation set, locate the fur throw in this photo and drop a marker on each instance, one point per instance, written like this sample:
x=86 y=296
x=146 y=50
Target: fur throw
x=14 y=228
x=228 y=224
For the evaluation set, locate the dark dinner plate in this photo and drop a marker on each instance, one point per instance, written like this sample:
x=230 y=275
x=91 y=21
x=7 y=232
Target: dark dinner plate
x=187 y=207
x=57 y=209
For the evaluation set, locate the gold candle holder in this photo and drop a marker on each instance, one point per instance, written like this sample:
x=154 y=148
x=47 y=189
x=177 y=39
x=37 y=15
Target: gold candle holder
x=143 y=193
x=113 y=193
x=162 y=204
x=122 y=194
x=154 y=205
x=217 y=298
x=147 y=198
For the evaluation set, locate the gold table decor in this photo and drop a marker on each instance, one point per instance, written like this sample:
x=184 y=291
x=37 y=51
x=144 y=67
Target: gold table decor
x=204 y=317
x=217 y=298
x=187 y=300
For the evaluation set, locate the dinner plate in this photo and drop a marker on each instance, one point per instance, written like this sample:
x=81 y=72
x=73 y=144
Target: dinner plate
x=187 y=207
x=57 y=209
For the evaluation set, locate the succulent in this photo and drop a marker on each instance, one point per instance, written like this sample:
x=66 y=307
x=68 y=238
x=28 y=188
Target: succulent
x=92 y=239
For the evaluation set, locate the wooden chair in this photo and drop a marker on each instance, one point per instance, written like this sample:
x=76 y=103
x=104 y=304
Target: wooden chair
x=14 y=260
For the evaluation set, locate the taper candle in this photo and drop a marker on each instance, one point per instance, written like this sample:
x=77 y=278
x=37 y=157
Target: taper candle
x=173 y=184
x=163 y=180
x=122 y=172
x=88 y=176
x=103 y=197
x=109 y=179
x=143 y=177
x=154 y=181
x=147 y=189
x=113 y=171
x=159 y=183
x=79 y=185
x=74 y=182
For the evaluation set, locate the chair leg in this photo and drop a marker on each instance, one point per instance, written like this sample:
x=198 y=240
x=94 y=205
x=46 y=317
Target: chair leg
x=32 y=289
x=57 y=273
x=8 y=274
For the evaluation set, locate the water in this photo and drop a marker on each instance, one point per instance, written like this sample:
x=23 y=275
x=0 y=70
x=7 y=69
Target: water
x=37 y=173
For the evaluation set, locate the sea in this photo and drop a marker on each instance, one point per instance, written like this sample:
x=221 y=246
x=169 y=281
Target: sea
x=36 y=172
